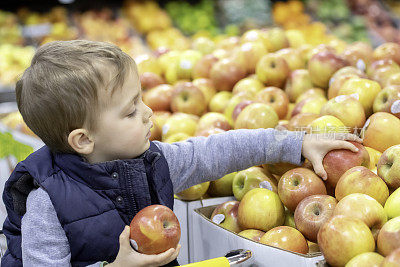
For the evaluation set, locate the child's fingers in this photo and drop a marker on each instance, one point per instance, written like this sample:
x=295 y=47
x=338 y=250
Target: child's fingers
x=349 y=137
x=319 y=169
x=344 y=145
x=124 y=237
x=166 y=257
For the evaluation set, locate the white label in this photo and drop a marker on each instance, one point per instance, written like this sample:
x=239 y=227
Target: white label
x=340 y=98
x=186 y=64
x=355 y=96
x=37 y=30
x=134 y=244
x=266 y=185
x=218 y=219
x=360 y=64
x=395 y=108
x=165 y=129
x=331 y=81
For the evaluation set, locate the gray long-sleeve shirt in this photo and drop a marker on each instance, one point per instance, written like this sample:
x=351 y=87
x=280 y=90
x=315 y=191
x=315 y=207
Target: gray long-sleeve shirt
x=197 y=160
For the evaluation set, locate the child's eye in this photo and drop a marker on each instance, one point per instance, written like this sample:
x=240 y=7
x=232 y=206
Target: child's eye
x=130 y=115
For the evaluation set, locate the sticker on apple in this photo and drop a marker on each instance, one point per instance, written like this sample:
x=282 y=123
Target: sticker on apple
x=266 y=185
x=331 y=80
x=218 y=219
x=165 y=129
x=395 y=108
x=355 y=96
x=360 y=65
x=186 y=64
x=134 y=244
x=340 y=98
x=367 y=123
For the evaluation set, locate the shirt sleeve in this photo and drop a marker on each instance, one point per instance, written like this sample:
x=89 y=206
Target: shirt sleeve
x=202 y=159
x=44 y=242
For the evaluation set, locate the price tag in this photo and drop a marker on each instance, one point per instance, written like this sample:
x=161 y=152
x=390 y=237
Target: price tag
x=266 y=185
x=134 y=244
x=37 y=30
x=218 y=219
x=395 y=108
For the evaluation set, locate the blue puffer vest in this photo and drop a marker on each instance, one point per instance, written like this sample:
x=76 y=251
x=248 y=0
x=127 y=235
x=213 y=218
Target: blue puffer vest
x=93 y=201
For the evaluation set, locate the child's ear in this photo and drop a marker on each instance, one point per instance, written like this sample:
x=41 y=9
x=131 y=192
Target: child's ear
x=80 y=141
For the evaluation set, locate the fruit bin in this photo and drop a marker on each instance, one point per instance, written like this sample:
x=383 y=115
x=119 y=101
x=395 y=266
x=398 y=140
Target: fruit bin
x=184 y=211
x=211 y=241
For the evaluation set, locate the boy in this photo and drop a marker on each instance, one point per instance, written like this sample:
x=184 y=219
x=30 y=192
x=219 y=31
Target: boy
x=68 y=202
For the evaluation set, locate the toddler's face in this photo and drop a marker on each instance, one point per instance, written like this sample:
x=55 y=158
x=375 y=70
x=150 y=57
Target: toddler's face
x=124 y=125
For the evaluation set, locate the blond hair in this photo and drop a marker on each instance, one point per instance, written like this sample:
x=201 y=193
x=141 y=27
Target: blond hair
x=58 y=93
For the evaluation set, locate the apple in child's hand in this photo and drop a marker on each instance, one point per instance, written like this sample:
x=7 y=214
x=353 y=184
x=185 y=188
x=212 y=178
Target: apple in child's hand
x=226 y=216
x=252 y=234
x=155 y=229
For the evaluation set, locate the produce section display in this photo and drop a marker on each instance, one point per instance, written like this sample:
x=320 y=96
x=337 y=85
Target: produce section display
x=315 y=70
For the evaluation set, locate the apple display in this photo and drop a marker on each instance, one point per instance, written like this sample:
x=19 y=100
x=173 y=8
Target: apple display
x=360 y=179
x=219 y=101
x=202 y=67
x=342 y=238
x=287 y=238
x=297 y=184
x=255 y=116
x=223 y=186
x=159 y=97
x=188 y=98
x=261 y=209
x=226 y=73
x=379 y=131
x=365 y=208
x=252 y=234
x=336 y=162
x=297 y=83
x=389 y=237
x=226 y=216
x=248 y=84
x=389 y=166
x=371 y=259
x=179 y=123
x=392 y=205
x=276 y=98
x=272 y=70
x=206 y=86
x=194 y=192
x=149 y=80
x=253 y=177
x=327 y=124
x=155 y=229
x=312 y=212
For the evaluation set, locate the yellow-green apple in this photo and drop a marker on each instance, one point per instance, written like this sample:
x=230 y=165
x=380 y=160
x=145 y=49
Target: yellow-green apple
x=360 y=179
x=203 y=66
x=149 y=80
x=287 y=238
x=252 y=52
x=279 y=168
x=147 y=63
x=272 y=70
x=213 y=120
x=389 y=166
x=159 y=98
x=252 y=234
x=313 y=247
x=166 y=59
x=155 y=229
x=388 y=64
x=310 y=93
x=206 y=86
x=209 y=131
x=347 y=109
x=374 y=156
x=159 y=118
x=336 y=162
x=176 y=137
x=380 y=131
x=289 y=218
x=261 y=209
x=371 y=259
x=389 y=237
x=365 y=208
x=188 y=98
x=322 y=66
x=328 y=124
x=222 y=187
x=312 y=212
x=297 y=184
x=194 y=192
x=248 y=84
x=276 y=98
x=365 y=90
x=388 y=100
x=226 y=216
x=310 y=105
x=179 y=123
x=203 y=44
x=292 y=57
x=239 y=107
x=295 y=37
x=388 y=51
x=393 y=260
x=219 y=101
x=290 y=110
x=186 y=63
x=275 y=39
x=342 y=238
x=251 y=178
x=234 y=101
x=255 y=116
x=337 y=83
x=392 y=205
x=226 y=73
x=297 y=83
x=301 y=121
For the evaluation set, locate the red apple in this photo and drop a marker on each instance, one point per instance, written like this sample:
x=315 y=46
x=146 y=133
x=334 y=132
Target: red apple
x=155 y=229
x=338 y=161
x=159 y=98
x=276 y=98
x=342 y=238
x=389 y=237
x=287 y=238
x=188 y=98
x=226 y=216
x=312 y=212
x=149 y=80
x=213 y=120
x=226 y=73
x=252 y=234
x=297 y=184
